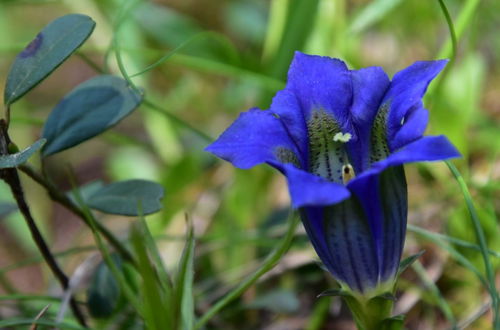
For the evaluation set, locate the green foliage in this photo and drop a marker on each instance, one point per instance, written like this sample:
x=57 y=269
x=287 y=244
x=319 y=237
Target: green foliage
x=52 y=46
x=18 y=158
x=104 y=292
x=131 y=197
x=87 y=111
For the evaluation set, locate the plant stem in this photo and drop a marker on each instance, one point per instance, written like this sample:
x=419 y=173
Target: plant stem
x=61 y=198
x=268 y=264
x=11 y=177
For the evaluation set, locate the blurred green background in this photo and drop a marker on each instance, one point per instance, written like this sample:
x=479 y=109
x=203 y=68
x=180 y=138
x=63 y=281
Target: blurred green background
x=221 y=57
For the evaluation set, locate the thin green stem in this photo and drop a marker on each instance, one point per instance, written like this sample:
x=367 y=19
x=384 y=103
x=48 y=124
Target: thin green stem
x=91 y=63
x=481 y=238
x=267 y=265
x=451 y=28
x=177 y=120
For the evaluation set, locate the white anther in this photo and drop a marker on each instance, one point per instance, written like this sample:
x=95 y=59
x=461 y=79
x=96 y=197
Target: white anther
x=342 y=137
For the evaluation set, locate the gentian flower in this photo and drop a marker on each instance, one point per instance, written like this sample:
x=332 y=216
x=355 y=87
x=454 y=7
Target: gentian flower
x=341 y=137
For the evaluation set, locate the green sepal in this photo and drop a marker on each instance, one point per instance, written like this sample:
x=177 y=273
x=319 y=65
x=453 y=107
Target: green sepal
x=407 y=262
x=369 y=313
x=393 y=323
x=334 y=293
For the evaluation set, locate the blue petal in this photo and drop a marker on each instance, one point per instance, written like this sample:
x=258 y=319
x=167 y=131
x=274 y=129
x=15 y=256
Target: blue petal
x=428 y=148
x=285 y=104
x=369 y=86
x=252 y=139
x=384 y=201
x=394 y=195
x=307 y=189
x=405 y=93
x=341 y=237
x=321 y=83
x=413 y=128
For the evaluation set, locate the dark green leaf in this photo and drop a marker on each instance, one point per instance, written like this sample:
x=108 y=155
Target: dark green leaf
x=132 y=197
x=86 y=191
x=408 y=261
x=104 y=291
x=87 y=111
x=54 y=44
x=13 y=160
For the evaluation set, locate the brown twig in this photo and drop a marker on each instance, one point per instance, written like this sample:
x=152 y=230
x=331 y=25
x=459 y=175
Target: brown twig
x=57 y=196
x=11 y=177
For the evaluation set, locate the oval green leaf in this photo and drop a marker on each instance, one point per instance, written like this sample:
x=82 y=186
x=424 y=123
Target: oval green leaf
x=131 y=197
x=104 y=292
x=14 y=160
x=51 y=47
x=88 y=110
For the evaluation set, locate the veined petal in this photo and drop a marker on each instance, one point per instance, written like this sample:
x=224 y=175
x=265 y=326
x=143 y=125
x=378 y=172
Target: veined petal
x=321 y=82
x=341 y=236
x=286 y=106
x=412 y=128
x=369 y=86
x=394 y=196
x=307 y=189
x=406 y=91
x=257 y=136
x=428 y=148
x=383 y=198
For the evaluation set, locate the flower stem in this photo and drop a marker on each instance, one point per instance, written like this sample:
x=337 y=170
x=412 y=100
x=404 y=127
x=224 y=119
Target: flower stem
x=268 y=264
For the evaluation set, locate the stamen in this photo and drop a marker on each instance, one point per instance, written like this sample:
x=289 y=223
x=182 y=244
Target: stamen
x=347 y=173
x=402 y=121
x=342 y=137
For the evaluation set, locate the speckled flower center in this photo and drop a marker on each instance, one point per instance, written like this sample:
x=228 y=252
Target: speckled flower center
x=379 y=148
x=327 y=152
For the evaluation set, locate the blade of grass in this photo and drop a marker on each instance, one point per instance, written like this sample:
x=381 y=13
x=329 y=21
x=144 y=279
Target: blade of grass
x=432 y=288
x=455 y=255
x=206 y=34
x=267 y=265
x=152 y=291
x=125 y=287
x=184 y=283
x=478 y=231
x=462 y=22
x=451 y=28
x=436 y=236
x=275 y=28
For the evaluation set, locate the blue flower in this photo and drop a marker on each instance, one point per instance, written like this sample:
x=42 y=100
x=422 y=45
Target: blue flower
x=341 y=137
